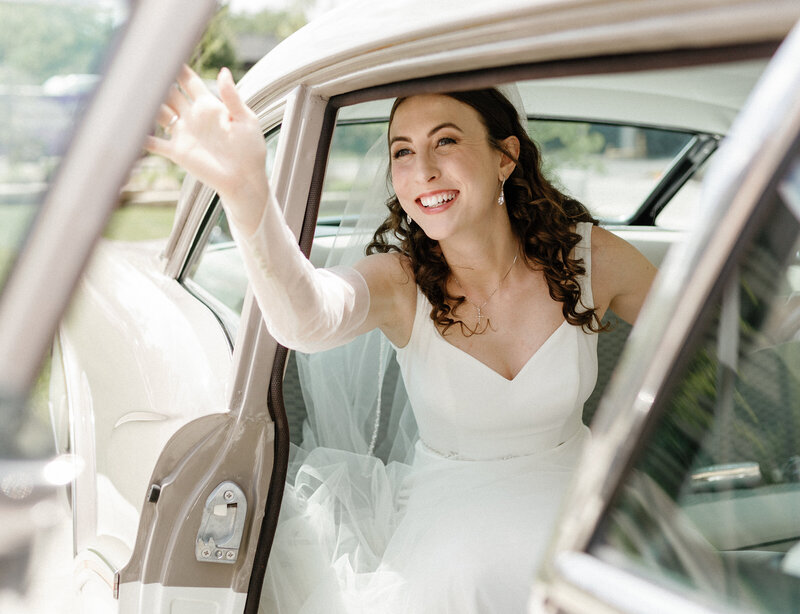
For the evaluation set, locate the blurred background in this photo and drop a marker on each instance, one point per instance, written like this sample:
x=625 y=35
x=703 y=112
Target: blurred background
x=240 y=34
x=51 y=55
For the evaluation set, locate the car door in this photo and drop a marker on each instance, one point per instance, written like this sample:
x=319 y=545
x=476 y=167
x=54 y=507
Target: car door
x=205 y=509
x=688 y=498
x=55 y=227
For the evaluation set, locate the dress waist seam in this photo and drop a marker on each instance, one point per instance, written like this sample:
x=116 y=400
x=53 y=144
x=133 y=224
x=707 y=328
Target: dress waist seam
x=452 y=455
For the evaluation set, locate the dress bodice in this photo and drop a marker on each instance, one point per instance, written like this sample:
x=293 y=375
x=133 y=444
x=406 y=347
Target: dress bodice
x=466 y=410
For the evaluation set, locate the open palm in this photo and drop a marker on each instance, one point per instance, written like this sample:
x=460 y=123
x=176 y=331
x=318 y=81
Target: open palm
x=217 y=140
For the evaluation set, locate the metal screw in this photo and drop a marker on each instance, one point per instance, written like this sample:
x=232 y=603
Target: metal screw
x=218 y=554
x=205 y=553
x=228 y=495
x=230 y=554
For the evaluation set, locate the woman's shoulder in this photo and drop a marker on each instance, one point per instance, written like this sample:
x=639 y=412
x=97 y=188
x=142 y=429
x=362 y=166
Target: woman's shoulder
x=618 y=270
x=393 y=293
x=391 y=268
x=608 y=248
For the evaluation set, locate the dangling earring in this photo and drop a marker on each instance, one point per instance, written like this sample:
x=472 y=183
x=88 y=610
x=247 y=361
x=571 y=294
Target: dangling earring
x=408 y=220
x=501 y=200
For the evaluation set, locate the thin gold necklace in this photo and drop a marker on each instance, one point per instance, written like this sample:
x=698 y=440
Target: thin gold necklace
x=477 y=307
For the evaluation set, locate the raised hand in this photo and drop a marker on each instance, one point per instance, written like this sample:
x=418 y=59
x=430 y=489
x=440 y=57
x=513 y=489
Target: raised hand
x=217 y=141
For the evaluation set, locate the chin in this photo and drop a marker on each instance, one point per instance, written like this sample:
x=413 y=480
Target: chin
x=435 y=232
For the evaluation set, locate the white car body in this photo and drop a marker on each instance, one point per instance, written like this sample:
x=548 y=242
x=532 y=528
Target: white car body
x=152 y=388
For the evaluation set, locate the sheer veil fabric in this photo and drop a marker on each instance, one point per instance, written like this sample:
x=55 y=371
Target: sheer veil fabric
x=376 y=519
x=341 y=502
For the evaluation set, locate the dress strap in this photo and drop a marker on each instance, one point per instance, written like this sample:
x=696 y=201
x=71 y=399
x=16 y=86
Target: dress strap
x=421 y=312
x=583 y=250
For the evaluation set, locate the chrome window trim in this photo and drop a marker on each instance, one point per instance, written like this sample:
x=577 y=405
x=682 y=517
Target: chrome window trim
x=225 y=316
x=588 y=584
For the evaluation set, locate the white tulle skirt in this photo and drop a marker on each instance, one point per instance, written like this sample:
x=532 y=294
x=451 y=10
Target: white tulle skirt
x=440 y=535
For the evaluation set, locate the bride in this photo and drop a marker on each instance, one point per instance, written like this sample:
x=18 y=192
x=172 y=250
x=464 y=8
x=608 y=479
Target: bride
x=491 y=285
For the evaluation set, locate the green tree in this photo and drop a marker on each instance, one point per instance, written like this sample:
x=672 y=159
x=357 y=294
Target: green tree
x=279 y=24
x=38 y=41
x=216 y=48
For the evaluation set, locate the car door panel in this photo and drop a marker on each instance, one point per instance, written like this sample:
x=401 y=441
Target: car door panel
x=239 y=446
x=693 y=490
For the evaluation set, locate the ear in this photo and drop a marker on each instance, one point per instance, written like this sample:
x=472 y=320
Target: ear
x=511 y=145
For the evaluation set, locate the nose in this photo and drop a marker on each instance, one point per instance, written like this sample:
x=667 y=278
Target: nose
x=427 y=167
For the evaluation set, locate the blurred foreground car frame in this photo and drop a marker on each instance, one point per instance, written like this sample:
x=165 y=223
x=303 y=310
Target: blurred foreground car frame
x=174 y=394
x=148 y=48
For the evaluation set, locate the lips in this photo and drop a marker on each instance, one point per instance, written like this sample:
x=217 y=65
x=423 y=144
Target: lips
x=437 y=200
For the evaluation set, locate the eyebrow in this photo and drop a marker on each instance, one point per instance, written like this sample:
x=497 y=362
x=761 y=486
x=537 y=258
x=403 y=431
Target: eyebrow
x=430 y=134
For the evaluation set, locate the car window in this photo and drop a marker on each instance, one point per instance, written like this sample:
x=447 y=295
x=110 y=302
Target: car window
x=42 y=95
x=711 y=502
x=611 y=168
x=349 y=146
x=216 y=274
x=683 y=207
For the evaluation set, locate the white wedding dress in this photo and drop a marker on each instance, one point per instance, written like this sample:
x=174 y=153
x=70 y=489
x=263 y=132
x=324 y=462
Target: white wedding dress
x=462 y=527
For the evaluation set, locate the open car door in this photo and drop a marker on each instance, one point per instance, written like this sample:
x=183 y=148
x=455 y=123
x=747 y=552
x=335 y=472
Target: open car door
x=178 y=559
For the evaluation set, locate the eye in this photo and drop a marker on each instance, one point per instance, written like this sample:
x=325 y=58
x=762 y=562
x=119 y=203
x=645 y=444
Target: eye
x=445 y=140
x=399 y=153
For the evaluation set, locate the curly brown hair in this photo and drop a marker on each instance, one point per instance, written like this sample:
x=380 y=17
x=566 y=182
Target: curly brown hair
x=542 y=219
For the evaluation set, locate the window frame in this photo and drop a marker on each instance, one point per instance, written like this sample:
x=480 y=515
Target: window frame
x=225 y=316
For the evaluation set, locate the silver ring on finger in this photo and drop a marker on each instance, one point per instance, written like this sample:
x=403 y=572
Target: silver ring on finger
x=171 y=123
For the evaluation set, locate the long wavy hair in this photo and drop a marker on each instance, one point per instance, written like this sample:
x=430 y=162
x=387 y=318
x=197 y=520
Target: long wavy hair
x=542 y=219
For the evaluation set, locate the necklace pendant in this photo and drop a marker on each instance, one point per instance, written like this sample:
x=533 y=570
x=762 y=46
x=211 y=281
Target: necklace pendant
x=480 y=316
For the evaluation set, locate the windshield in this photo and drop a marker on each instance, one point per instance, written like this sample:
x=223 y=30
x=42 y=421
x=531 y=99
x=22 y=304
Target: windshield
x=51 y=54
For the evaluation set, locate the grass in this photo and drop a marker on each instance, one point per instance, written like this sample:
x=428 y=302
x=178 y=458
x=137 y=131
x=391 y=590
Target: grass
x=140 y=223
x=129 y=223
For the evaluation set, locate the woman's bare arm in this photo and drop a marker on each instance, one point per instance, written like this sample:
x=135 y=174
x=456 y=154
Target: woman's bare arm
x=621 y=275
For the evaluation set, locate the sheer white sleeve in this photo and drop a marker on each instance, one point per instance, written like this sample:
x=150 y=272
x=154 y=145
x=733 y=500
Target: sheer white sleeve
x=304 y=308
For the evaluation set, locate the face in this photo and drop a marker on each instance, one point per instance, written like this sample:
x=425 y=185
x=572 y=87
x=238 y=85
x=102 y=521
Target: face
x=445 y=173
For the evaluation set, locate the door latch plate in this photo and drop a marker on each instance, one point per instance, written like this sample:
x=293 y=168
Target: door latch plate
x=220 y=533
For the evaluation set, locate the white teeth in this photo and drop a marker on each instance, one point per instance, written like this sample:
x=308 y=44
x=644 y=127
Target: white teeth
x=437 y=199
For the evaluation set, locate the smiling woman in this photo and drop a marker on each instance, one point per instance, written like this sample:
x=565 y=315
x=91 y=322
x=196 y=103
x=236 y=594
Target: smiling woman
x=497 y=398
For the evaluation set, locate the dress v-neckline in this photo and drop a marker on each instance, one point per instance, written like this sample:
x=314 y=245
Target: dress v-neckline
x=535 y=353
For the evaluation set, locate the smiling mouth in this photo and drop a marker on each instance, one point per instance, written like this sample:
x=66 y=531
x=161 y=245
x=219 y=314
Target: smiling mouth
x=436 y=200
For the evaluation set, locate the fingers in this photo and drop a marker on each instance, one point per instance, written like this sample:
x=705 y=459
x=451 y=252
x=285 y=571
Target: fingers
x=157 y=146
x=191 y=83
x=227 y=92
x=187 y=88
x=177 y=101
x=166 y=117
